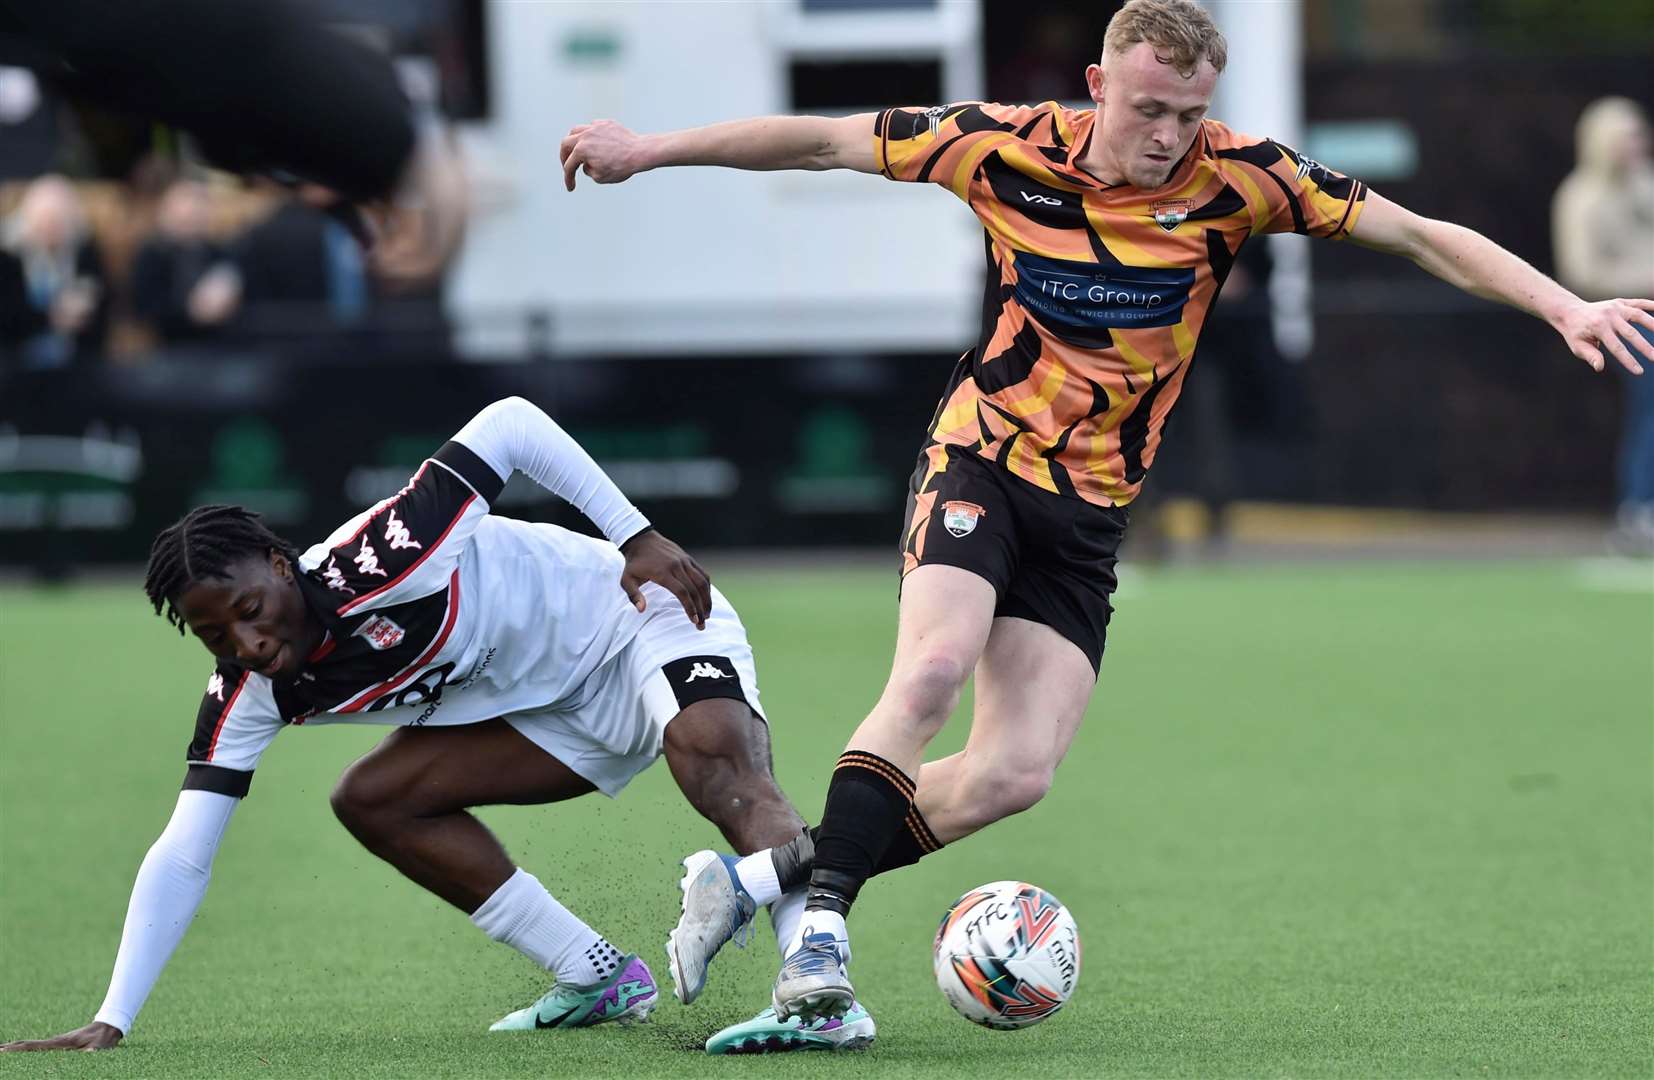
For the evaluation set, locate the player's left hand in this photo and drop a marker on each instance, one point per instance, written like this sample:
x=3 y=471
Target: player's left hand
x=652 y=557
x=1617 y=327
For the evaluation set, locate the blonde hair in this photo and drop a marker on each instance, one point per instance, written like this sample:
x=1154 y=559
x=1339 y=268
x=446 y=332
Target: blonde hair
x=1181 y=32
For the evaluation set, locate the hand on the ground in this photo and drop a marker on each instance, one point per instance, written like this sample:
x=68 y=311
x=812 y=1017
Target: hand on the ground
x=652 y=557
x=93 y=1036
x=603 y=150
x=1617 y=327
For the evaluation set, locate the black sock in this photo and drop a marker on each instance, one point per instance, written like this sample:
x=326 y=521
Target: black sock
x=910 y=844
x=796 y=858
x=868 y=801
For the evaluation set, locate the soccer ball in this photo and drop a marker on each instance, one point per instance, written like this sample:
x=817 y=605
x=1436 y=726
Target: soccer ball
x=1007 y=955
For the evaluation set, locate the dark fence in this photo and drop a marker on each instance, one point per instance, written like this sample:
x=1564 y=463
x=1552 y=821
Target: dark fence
x=1458 y=406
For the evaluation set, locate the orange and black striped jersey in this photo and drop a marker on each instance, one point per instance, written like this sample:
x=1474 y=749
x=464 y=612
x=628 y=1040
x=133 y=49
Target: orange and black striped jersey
x=1096 y=293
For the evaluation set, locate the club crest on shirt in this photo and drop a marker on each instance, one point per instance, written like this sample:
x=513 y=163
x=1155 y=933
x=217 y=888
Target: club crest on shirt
x=381 y=633
x=1170 y=213
x=960 y=518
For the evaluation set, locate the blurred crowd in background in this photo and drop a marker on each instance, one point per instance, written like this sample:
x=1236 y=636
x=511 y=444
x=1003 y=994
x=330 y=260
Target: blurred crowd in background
x=179 y=260
x=121 y=249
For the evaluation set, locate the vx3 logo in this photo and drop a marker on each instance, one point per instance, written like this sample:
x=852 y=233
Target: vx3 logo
x=1043 y=200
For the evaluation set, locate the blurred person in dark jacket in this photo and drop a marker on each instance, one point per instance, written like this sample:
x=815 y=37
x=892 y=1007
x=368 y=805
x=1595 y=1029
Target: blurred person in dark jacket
x=1602 y=222
x=184 y=285
x=52 y=287
x=302 y=275
x=266 y=88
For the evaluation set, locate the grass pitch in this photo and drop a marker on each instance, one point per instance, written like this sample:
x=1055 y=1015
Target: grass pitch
x=1343 y=820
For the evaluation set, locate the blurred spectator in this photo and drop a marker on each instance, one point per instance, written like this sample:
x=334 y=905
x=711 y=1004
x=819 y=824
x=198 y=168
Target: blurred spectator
x=1055 y=45
x=1238 y=388
x=54 y=297
x=183 y=282
x=267 y=88
x=302 y=273
x=1602 y=223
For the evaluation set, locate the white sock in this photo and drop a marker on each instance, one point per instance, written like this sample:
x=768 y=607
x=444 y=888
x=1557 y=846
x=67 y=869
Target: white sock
x=823 y=922
x=523 y=915
x=756 y=873
x=784 y=916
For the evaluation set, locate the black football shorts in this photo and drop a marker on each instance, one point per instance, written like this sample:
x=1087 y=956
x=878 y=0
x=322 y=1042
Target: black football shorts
x=1049 y=557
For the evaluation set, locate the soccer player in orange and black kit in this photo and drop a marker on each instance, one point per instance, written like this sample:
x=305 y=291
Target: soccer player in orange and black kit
x=1109 y=232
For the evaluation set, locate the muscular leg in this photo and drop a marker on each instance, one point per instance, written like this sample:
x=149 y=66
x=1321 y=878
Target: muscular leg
x=406 y=800
x=719 y=754
x=1032 y=688
x=946 y=618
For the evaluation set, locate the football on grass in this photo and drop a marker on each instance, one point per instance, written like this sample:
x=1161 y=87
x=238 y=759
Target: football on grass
x=1007 y=955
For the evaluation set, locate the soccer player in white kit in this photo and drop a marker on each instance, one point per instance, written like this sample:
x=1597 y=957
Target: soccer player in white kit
x=520 y=663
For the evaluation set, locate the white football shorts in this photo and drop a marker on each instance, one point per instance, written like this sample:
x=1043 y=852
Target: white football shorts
x=616 y=726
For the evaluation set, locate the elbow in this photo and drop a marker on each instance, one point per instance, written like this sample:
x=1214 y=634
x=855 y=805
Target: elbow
x=512 y=404
x=180 y=863
x=822 y=157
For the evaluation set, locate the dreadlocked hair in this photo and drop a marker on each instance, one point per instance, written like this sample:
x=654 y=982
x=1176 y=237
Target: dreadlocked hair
x=203 y=544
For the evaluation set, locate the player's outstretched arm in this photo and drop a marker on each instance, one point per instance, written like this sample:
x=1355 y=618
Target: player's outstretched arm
x=1469 y=260
x=168 y=889
x=609 y=153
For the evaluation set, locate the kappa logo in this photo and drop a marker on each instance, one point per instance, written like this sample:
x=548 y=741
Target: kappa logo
x=706 y=670
x=960 y=518
x=1043 y=200
x=215 y=686
x=381 y=633
x=335 y=577
x=1170 y=213
x=367 y=560
x=396 y=533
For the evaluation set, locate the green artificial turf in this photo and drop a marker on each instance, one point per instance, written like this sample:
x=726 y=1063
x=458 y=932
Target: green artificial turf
x=1335 y=820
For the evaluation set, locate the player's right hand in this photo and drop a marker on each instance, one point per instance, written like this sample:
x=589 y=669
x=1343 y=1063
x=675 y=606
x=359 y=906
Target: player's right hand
x=94 y=1036
x=603 y=150
x=652 y=557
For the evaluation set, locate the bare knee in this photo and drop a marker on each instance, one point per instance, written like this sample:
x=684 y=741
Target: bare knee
x=923 y=692
x=362 y=802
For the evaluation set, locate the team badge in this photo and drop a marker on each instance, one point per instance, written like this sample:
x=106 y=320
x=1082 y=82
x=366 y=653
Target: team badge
x=381 y=633
x=1170 y=213
x=960 y=518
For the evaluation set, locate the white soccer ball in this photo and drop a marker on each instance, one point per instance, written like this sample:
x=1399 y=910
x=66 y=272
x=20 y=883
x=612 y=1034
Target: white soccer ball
x=1007 y=955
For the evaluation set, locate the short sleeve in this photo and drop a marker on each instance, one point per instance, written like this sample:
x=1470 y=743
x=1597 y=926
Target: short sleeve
x=238 y=718
x=1306 y=197
x=946 y=143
